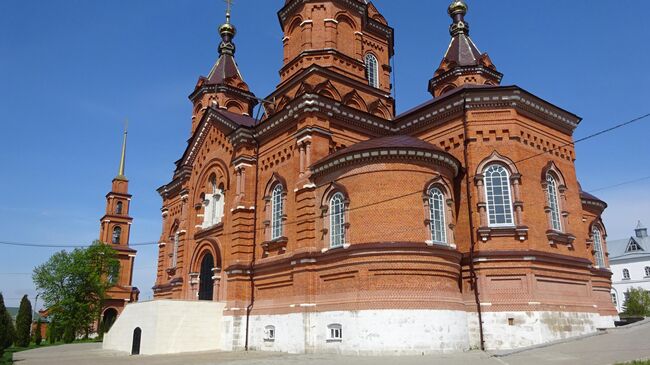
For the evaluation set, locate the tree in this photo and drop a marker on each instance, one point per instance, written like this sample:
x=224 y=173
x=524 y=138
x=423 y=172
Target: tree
x=637 y=303
x=38 y=338
x=73 y=286
x=24 y=323
x=6 y=327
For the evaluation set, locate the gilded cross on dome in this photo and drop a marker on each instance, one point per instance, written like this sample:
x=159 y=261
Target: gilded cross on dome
x=229 y=4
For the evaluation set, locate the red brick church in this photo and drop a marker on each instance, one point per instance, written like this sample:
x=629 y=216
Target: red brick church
x=333 y=224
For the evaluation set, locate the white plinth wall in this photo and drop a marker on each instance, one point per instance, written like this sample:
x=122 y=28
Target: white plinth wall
x=168 y=327
x=190 y=326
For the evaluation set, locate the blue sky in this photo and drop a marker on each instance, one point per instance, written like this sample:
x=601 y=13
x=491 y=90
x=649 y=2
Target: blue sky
x=72 y=70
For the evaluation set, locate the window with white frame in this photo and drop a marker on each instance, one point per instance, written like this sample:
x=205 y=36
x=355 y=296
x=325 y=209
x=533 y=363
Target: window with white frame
x=497 y=193
x=337 y=220
x=372 y=70
x=214 y=204
x=269 y=333
x=277 y=212
x=598 y=247
x=553 y=202
x=626 y=274
x=437 y=215
x=647 y=271
x=335 y=332
x=175 y=249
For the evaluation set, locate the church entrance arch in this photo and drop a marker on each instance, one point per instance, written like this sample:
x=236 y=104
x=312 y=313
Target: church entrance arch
x=206 y=279
x=108 y=318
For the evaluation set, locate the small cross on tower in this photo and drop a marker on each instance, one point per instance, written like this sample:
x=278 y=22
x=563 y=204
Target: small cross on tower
x=228 y=7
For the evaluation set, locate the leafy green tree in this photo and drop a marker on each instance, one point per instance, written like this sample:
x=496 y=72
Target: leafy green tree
x=637 y=303
x=37 y=333
x=6 y=327
x=73 y=286
x=24 y=323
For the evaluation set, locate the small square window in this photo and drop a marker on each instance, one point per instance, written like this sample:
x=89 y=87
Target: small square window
x=269 y=333
x=335 y=332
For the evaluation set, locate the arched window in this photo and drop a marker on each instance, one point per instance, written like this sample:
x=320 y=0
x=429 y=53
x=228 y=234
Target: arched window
x=553 y=204
x=626 y=274
x=337 y=220
x=175 y=249
x=647 y=271
x=118 y=208
x=372 y=70
x=269 y=333
x=614 y=299
x=437 y=216
x=117 y=234
x=214 y=204
x=277 y=212
x=497 y=193
x=598 y=247
x=335 y=332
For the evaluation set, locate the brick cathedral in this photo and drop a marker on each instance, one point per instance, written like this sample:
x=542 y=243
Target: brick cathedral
x=333 y=224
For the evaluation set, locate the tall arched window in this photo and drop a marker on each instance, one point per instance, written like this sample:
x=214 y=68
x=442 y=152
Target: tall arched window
x=117 y=234
x=372 y=70
x=553 y=204
x=497 y=193
x=647 y=271
x=175 y=249
x=214 y=204
x=118 y=208
x=277 y=212
x=626 y=274
x=337 y=220
x=437 y=215
x=598 y=247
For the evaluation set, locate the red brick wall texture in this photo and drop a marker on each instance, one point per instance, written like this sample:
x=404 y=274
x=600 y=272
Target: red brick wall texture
x=326 y=130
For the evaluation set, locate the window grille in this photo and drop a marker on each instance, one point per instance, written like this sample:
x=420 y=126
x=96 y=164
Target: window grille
x=372 y=70
x=437 y=216
x=337 y=220
x=552 y=197
x=277 y=212
x=497 y=192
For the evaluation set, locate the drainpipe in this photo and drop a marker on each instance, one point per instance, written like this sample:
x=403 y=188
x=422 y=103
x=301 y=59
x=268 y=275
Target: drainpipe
x=249 y=308
x=468 y=186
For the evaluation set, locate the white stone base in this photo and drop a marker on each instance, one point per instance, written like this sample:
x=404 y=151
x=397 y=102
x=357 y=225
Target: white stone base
x=168 y=327
x=367 y=332
x=178 y=326
x=534 y=328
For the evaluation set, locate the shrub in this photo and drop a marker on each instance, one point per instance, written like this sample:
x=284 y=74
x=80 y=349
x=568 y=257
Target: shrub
x=637 y=303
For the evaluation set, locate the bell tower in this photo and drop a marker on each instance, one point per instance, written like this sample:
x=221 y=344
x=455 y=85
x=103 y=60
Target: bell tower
x=347 y=42
x=224 y=87
x=463 y=63
x=114 y=230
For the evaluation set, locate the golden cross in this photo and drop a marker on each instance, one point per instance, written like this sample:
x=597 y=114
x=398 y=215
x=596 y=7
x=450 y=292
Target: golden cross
x=228 y=7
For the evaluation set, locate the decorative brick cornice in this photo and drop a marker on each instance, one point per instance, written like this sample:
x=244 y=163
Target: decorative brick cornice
x=388 y=153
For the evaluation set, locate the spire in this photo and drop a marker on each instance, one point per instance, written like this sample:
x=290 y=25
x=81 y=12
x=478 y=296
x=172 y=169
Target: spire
x=226 y=67
x=463 y=63
x=120 y=172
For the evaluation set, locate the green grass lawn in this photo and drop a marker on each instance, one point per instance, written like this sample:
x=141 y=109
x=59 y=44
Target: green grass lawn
x=637 y=362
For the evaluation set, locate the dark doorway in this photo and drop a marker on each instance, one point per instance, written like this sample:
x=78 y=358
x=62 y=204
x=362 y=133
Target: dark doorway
x=137 y=336
x=206 y=283
x=110 y=315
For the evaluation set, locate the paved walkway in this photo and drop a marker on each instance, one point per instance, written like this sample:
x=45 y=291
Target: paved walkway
x=617 y=345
